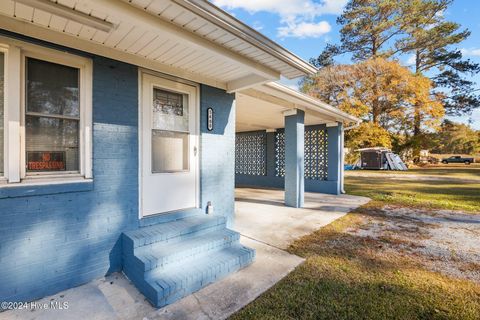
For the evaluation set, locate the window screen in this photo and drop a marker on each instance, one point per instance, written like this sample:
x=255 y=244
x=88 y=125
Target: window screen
x=52 y=117
x=2 y=121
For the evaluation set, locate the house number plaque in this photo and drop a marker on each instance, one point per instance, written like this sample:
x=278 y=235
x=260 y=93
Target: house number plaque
x=210 y=119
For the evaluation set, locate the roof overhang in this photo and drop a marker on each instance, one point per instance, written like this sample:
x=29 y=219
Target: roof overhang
x=264 y=107
x=191 y=39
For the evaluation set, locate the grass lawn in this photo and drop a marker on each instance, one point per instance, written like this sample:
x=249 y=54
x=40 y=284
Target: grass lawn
x=441 y=171
x=350 y=277
x=452 y=194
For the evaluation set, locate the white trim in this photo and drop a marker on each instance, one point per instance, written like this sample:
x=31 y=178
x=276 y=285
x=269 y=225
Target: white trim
x=290 y=112
x=67 y=13
x=46 y=182
x=331 y=124
x=17 y=52
x=13 y=113
x=176 y=84
x=245 y=83
x=302 y=100
x=4 y=51
x=229 y=23
x=140 y=144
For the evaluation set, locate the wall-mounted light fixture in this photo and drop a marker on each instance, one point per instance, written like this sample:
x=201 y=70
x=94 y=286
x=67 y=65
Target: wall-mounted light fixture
x=69 y=13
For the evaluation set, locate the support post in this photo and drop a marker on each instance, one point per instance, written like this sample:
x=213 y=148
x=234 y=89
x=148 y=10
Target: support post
x=271 y=165
x=294 y=159
x=335 y=153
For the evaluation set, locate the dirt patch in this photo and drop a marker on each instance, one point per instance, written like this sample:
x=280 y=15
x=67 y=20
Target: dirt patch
x=443 y=241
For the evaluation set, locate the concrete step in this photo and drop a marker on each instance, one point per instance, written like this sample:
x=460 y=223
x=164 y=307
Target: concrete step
x=177 y=280
x=161 y=254
x=171 y=231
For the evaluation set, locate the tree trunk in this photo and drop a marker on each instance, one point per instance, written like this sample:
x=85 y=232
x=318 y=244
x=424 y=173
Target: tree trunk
x=417 y=122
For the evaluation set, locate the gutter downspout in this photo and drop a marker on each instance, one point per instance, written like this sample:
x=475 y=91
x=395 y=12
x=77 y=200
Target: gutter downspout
x=342 y=156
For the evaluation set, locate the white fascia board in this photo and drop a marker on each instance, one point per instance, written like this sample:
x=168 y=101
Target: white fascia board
x=124 y=11
x=331 y=124
x=245 y=83
x=229 y=23
x=308 y=102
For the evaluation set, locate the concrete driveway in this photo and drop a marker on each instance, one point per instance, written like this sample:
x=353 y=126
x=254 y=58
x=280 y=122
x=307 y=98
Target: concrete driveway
x=266 y=225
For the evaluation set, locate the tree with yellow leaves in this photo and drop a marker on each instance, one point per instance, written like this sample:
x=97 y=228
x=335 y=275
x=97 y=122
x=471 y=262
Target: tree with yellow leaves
x=379 y=91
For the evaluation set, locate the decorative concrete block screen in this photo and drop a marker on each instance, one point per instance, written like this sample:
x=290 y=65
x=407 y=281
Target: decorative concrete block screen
x=316 y=154
x=280 y=154
x=251 y=153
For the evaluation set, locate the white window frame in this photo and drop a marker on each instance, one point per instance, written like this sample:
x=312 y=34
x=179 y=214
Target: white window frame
x=16 y=53
x=4 y=50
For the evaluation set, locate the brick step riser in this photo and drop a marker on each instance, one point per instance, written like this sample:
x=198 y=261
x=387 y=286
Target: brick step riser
x=199 y=250
x=130 y=245
x=190 y=287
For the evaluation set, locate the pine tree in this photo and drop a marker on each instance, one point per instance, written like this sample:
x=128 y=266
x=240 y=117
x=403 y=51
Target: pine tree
x=386 y=28
x=432 y=40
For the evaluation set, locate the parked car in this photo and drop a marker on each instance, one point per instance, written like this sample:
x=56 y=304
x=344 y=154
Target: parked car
x=458 y=159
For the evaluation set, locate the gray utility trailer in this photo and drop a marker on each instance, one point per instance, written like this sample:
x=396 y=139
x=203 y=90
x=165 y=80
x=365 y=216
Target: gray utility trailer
x=380 y=159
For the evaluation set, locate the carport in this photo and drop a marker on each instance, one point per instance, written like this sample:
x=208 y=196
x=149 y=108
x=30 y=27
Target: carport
x=288 y=140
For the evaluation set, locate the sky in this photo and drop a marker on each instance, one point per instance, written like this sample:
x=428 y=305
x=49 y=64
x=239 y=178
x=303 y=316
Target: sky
x=306 y=26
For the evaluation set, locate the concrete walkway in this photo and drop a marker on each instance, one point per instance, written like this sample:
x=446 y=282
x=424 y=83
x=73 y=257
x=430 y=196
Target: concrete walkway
x=267 y=226
x=261 y=215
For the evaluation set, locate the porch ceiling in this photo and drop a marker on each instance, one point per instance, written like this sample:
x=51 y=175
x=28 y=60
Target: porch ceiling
x=259 y=114
x=187 y=38
x=263 y=107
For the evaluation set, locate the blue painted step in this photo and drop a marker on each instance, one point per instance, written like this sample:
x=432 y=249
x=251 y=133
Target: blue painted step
x=179 y=280
x=170 y=260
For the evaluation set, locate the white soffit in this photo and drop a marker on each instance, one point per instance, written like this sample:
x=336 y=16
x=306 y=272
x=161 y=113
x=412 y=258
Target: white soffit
x=264 y=107
x=187 y=38
x=257 y=112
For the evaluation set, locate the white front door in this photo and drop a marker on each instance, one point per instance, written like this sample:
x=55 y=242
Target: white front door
x=169 y=146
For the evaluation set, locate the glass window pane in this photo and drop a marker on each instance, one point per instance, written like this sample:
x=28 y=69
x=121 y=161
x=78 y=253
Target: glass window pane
x=2 y=119
x=52 y=144
x=170 y=111
x=52 y=88
x=169 y=151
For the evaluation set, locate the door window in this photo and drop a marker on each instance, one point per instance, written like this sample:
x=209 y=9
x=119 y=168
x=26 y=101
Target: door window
x=170 y=132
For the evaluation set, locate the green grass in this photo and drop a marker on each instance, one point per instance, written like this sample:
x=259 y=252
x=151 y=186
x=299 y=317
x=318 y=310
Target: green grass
x=348 y=277
x=451 y=170
x=445 y=194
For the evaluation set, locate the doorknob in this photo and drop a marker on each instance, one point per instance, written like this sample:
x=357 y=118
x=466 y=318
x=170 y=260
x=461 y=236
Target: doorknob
x=195 y=151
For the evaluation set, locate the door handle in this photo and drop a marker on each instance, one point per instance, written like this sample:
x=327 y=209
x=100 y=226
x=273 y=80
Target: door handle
x=195 y=150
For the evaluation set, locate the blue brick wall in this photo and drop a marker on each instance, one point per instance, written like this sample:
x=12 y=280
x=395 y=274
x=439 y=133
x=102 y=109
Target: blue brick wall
x=50 y=242
x=60 y=236
x=218 y=152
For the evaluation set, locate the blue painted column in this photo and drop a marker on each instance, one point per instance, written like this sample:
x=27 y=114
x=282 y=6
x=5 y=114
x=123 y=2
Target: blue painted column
x=334 y=156
x=271 y=165
x=294 y=159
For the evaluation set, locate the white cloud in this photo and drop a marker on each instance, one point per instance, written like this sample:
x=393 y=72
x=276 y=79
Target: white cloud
x=297 y=17
x=257 y=25
x=411 y=60
x=286 y=9
x=304 y=29
x=471 y=52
